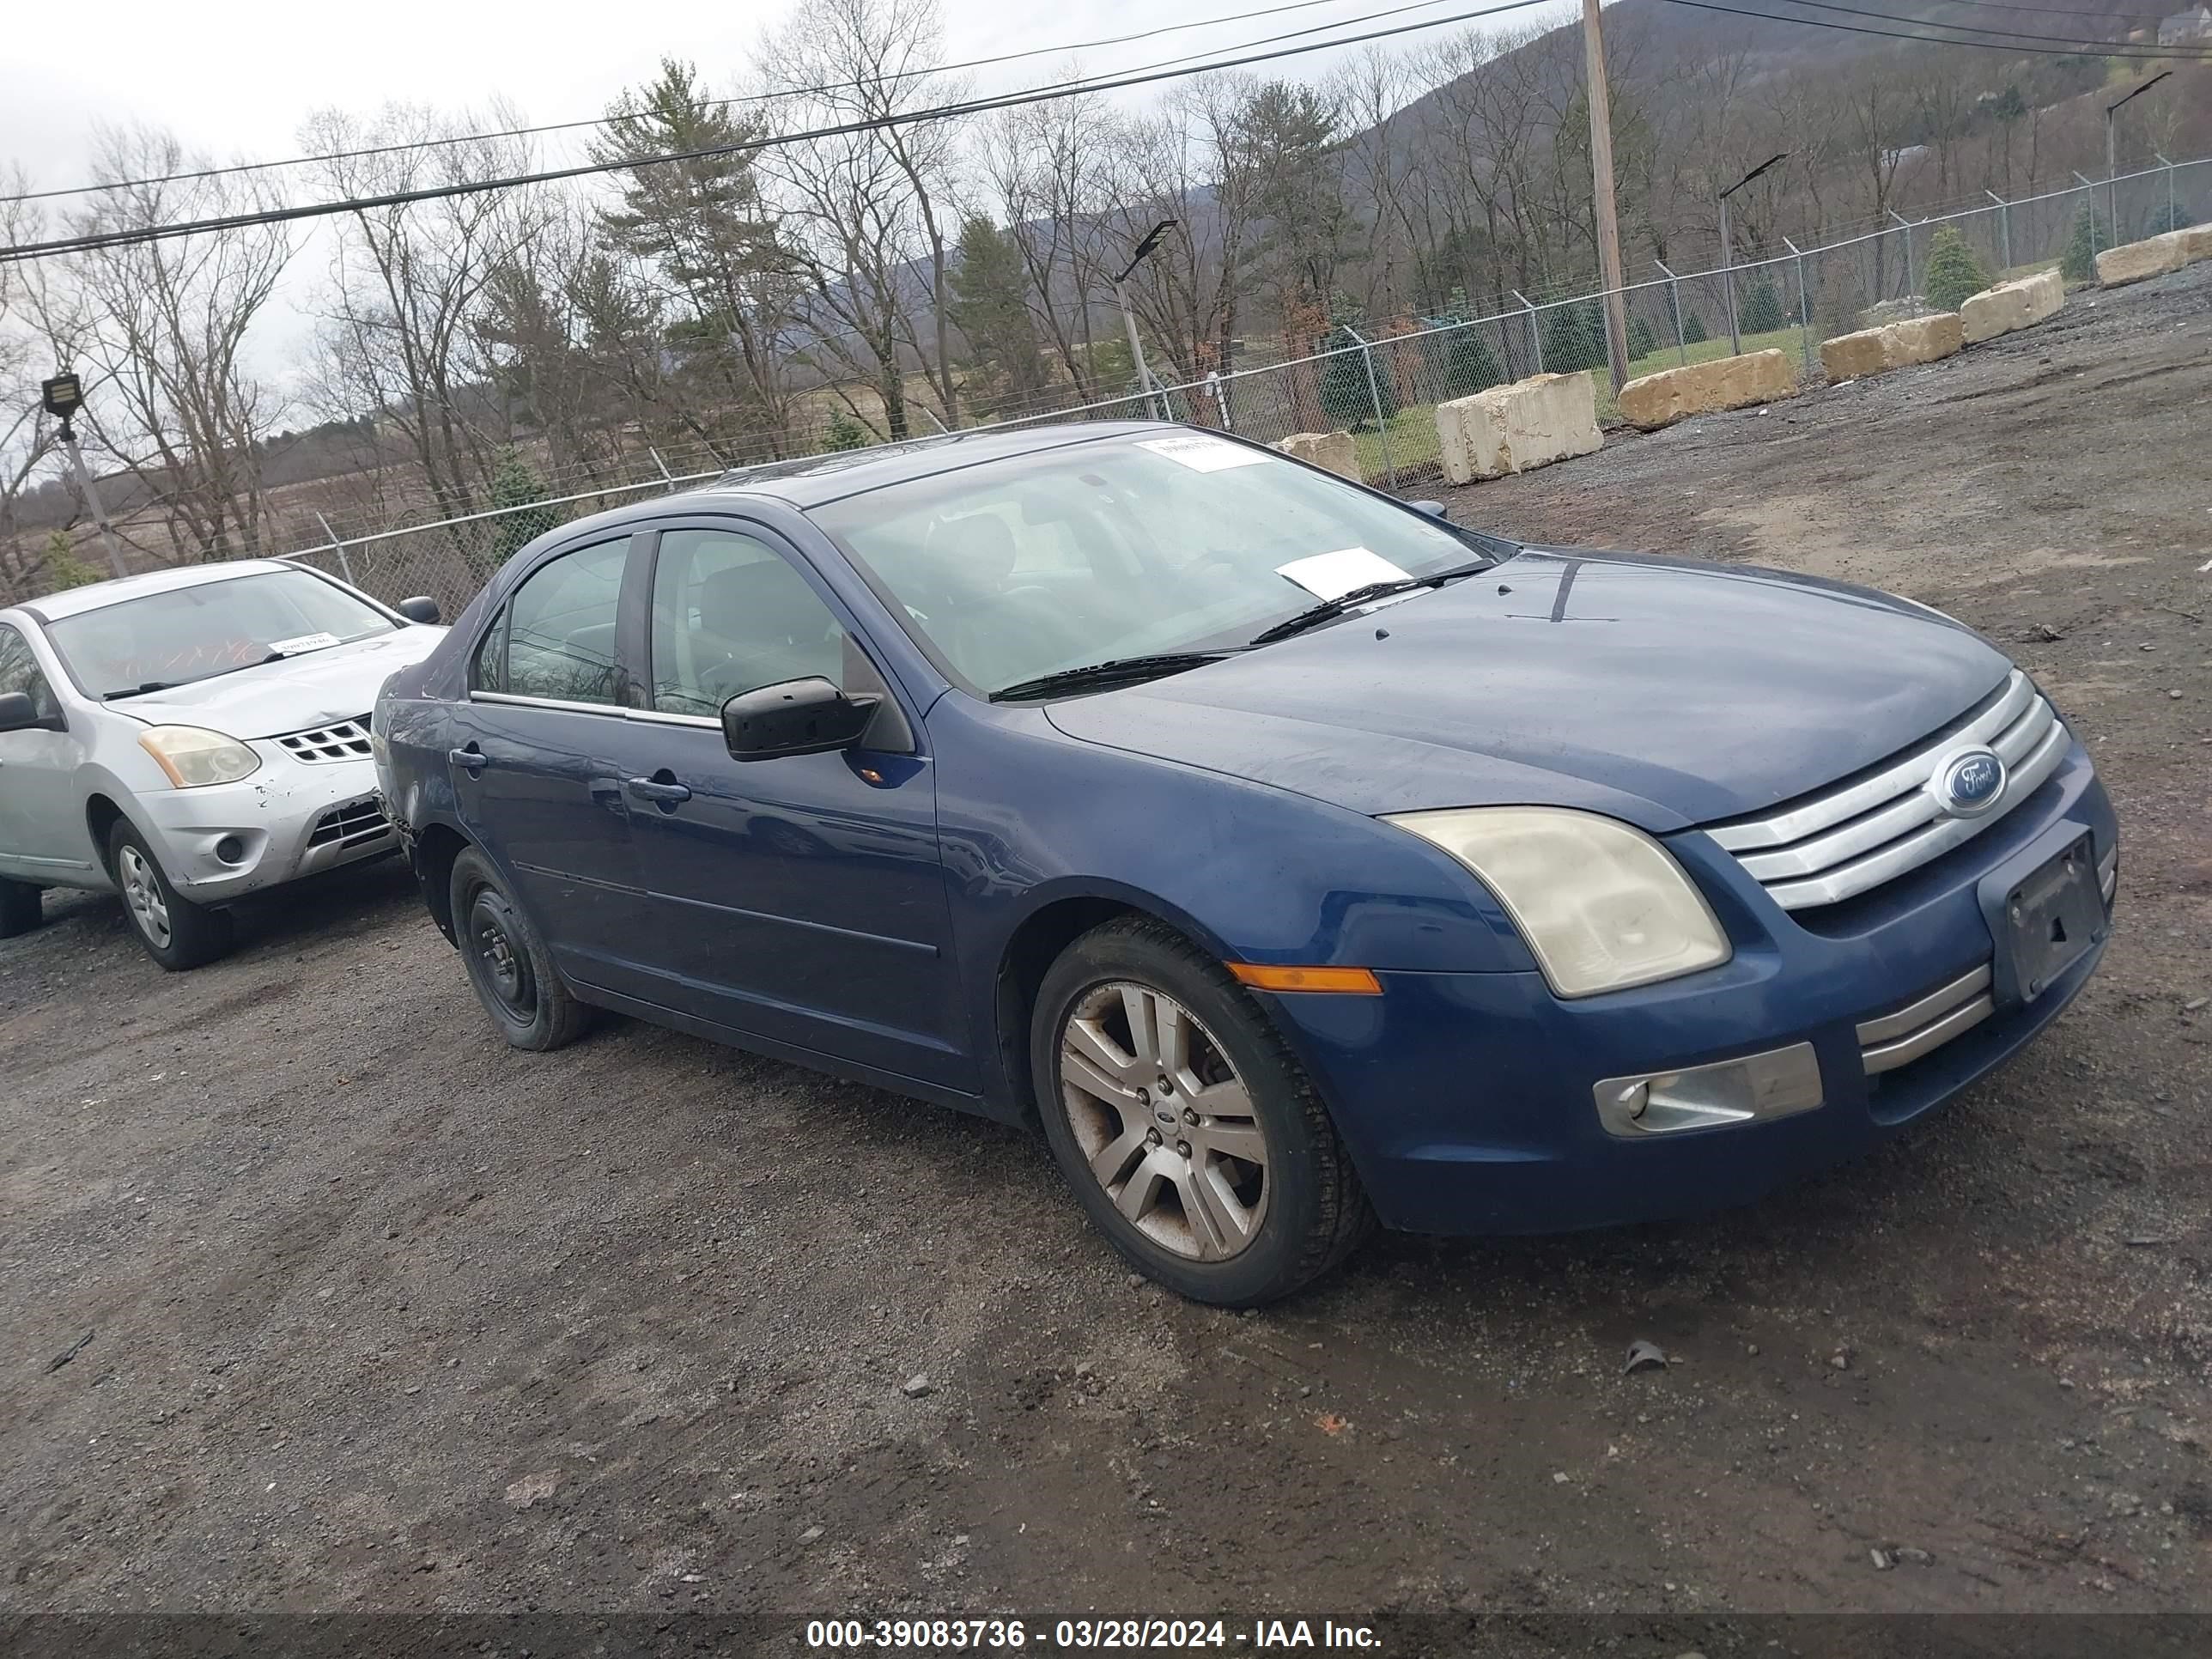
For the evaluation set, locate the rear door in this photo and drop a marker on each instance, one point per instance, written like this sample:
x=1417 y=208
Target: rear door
x=801 y=899
x=42 y=829
x=537 y=760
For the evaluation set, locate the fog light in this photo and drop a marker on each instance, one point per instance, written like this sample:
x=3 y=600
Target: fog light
x=230 y=850
x=1757 y=1086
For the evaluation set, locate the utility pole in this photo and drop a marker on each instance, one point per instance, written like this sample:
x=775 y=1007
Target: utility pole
x=1727 y=251
x=1608 y=222
x=64 y=395
x=2111 y=169
x=1129 y=318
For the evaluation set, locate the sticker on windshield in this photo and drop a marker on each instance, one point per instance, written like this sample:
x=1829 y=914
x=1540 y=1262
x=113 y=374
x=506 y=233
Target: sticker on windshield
x=1332 y=575
x=305 y=643
x=1205 y=454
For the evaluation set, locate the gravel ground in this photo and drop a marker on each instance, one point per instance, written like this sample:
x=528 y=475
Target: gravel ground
x=376 y=1314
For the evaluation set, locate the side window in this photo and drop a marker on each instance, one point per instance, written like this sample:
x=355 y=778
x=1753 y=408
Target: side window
x=19 y=671
x=488 y=668
x=730 y=613
x=558 y=632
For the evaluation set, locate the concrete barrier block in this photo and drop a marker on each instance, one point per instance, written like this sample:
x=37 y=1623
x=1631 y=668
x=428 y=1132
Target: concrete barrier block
x=1893 y=345
x=2195 y=243
x=2131 y=262
x=1511 y=428
x=2020 y=303
x=1332 y=450
x=1653 y=400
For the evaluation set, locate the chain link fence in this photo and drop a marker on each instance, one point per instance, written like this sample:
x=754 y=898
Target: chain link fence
x=1384 y=384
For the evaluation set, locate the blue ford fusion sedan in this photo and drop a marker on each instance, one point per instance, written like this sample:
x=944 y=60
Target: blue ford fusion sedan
x=1292 y=858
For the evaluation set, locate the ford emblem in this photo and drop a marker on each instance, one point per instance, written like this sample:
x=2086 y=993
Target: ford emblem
x=1969 y=783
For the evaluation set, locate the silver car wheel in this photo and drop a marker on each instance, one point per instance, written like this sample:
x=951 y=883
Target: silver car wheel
x=1163 y=1120
x=142 y=896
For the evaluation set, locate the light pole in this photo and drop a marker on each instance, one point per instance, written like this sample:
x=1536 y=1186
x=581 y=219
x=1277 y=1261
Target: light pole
x=62 y=395
x=2111 y=171
x=1129 y=318
x=1728 y=252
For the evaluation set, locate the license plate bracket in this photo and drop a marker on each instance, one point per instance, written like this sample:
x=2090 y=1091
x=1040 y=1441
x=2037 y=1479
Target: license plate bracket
x=2046 y=920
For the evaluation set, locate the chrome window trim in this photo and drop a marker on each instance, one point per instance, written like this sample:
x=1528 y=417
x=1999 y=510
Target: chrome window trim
x=610 y=710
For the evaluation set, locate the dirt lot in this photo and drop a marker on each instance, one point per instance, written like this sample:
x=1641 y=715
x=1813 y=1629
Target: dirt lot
x=384 y=1316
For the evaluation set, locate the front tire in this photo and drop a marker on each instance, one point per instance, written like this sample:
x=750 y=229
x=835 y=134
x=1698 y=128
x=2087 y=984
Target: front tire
x=1191 y=1136
x=176 y=932
x=507 y=962
x=20 y=907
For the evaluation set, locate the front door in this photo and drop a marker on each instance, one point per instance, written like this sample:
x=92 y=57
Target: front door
x=537 y=761
x=800 y=899
x=42 y=828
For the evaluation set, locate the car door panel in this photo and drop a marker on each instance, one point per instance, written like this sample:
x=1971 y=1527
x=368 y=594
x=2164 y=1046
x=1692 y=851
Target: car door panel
x=42 y=827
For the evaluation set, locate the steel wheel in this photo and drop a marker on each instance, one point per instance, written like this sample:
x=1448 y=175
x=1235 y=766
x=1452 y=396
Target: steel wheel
x=1163 y=1120
x=142 y=895
x=505 y=966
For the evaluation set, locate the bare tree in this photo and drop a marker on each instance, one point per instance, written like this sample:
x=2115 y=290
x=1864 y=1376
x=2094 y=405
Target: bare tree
x=1051 y=168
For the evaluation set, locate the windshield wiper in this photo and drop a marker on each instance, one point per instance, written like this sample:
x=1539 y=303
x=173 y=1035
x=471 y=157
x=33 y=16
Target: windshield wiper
x=141 y=690
x=1329 y=609
x=1119 y=671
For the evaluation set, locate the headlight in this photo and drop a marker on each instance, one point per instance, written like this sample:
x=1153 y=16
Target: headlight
x=193 y=757
x=1601 y=905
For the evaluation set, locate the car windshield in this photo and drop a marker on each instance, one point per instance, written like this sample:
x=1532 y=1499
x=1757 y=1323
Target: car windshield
x=195 y=633
x=1171 y=543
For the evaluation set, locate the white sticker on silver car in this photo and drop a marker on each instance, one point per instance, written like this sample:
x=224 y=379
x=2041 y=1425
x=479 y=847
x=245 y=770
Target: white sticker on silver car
x=1332 y=575
x=1205 y=454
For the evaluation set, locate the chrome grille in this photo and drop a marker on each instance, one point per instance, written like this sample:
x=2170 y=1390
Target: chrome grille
x=350 y=823
x=343 y=740
x=1827 y=847
x=1927 y=1023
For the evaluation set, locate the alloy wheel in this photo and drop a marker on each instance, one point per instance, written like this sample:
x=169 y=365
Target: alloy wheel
x=1165 y=1122
x=142 y=895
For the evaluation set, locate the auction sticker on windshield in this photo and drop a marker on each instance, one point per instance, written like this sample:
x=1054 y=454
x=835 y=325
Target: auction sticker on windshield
x=1205 y=454
x=1332 y=575
x=305 y=643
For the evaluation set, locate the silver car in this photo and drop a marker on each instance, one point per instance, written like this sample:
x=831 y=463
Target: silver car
x=189 y=737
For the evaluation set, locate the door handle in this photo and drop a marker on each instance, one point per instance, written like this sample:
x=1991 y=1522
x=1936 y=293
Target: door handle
x=471 y=761
x=651 y=789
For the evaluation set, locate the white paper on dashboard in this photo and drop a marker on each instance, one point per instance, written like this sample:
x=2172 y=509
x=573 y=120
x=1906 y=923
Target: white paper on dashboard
x=1205 y=454
x=305 y=643
x=1332 y=575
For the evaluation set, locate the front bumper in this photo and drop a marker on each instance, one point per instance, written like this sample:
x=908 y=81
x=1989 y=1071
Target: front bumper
x=285 y=822
x=1467 y=1099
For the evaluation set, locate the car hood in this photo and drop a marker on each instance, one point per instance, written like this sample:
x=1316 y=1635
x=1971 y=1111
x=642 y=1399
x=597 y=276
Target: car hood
x=295 y=694
x=1664 y=692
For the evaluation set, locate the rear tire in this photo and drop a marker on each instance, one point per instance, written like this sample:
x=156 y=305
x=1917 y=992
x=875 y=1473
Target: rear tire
x=1191 y=1136
x=176 y=932
x=20 y=908
x=508 y=961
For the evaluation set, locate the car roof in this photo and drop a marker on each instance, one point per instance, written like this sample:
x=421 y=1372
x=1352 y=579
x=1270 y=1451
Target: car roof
x=816 y=480
x=93 y=596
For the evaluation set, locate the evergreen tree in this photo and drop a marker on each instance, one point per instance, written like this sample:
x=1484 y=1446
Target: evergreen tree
x=1954 y=272
x=61 y=568
x=844 y=431
x=516 y=483
x=2079 y=262
x=991 y=307
x=1762 y=309
x=1642 y=341
x=1346 y=397
x=1574 y=338
x=2167 y=216
x=1694 y=328
x=1468 y=363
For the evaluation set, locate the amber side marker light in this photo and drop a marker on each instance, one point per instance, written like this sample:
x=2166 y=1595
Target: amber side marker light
x=1355 y=981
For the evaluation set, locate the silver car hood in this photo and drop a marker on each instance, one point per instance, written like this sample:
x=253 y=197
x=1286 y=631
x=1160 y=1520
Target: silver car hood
x=295 y=694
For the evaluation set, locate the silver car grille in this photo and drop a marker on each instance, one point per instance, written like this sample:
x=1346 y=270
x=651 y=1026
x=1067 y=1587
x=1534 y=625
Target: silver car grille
x=343 y=740
x=1927 y=1023
x=1824 y=848
x=350 y=823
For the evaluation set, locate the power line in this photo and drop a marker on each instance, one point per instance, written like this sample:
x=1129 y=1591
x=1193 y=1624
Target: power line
x=715 y=103
x=2059 y=48
x=25 y=250
x=2103 y=48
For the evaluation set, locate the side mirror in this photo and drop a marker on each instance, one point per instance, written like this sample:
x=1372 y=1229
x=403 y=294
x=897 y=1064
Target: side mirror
x=794 y=717
x=421 y=609
x=1434 y=509
x=18 y=712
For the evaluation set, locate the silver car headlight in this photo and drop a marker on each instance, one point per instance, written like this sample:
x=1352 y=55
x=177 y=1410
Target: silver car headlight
x=195 y=758
x=1601 y=905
